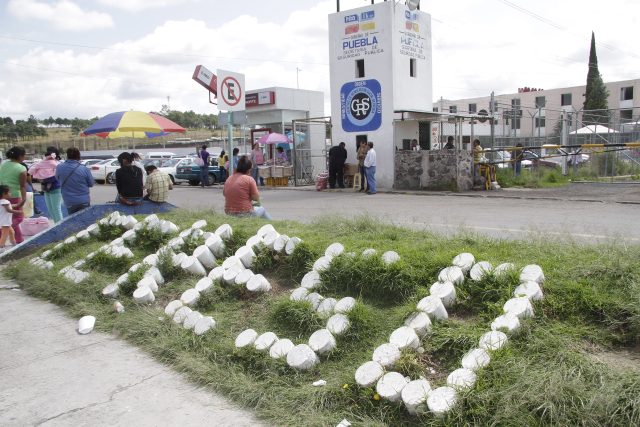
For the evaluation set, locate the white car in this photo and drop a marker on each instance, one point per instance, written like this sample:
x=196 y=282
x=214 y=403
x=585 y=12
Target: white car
x=169 y=166
x=90 y=162
x=105 y=171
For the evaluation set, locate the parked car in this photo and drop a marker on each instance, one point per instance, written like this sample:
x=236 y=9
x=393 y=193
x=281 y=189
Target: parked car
x=531 y=159
x=105 y=171
x=90 y=162
x=169 y=166
x=191 y=173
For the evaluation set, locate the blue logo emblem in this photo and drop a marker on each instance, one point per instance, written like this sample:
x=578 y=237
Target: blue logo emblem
x=361 y=106
x=350 y=18
x=368 y=15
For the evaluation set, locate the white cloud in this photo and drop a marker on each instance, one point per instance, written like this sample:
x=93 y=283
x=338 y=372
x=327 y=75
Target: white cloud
x=63 y=14
x=138 y=5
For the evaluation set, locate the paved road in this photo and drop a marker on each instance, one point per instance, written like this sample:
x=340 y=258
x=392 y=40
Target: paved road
x=583 y=212
x=51 y=376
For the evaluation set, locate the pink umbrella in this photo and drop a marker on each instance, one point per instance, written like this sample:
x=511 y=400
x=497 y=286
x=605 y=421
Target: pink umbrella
x=274 y=138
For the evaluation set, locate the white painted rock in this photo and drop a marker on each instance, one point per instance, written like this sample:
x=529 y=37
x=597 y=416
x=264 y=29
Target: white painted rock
x=476 y=359
x=216 y=274
x=76 y=276
x=190 y=297
x=77 y=264
x=507 y=322
x=246 y=255
x=111 y=290
x=176 y=243
x=419 y=322
x=191 y=265
x=479 y=270
x=129 y=236
x=232 y=261
x=254 y=242
x=532 y=273
x=299 y=294
x=93 y=229
x=451 y=274
x=445 y=291
x=185 y=234
x=191 y=320
x=369 y=373
x=433 y=306
x=338 y=324
x=461 y=379
x=172 y=307
x=258 y=283
x=157 y=276
x=181 y=314
x=199 y=224
x=530 y=290
x=311 y=280
x=386 y=354
x=291 y=245
x=503 y=268
x=322 y=263
x=414 y=396
x=314 y=299
x=390 y=257
x=178 y=258
x=224 y=231
x=334 y=250
x=151 y=218
x=265 y=229
x=151 y=260
x=86 y=324
x=204 y=285
x=204 y=255
x=265 y=341
x=148 y=282
x=269 y=239
x=493 y=340
x=405 y=337
x=390 y=386
x=243 y=277
x=203 y=325
x=48 y=265
x=83 y=235
x=280 y=243
x=246 y=338
x=369 y=252
x=117 y=242
x=46 y=254
x=302 y=357
x=229 y=275
x=344 y=305
x=70 y=240
x=321 y=341
x=325 y=309
x=441 y=400
x=118 y=307
x=280 y=348
x=144 y=295
x=464 y=260
x=123 y=278
x=520 y=307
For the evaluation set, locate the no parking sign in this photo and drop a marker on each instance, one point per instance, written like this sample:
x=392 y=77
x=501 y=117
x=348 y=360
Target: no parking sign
x=230 y=91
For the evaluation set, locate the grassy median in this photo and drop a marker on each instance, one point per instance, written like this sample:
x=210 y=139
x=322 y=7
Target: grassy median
x=575 y=363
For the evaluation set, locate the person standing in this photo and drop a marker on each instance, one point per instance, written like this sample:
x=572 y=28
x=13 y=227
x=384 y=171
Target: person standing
x=518 y=156
x=204 y=166
x=337 y=157
x=223 y=171
x=362 y=154
x=75 y=182
x=158 y=185
x=128 y=181
x=45 y=171
x=257 y=158
x=236 y=152
x=370 y=169
x=6 y=217
x=449 y=145
x=14 y=176
x=281 y=157
x=241 y=193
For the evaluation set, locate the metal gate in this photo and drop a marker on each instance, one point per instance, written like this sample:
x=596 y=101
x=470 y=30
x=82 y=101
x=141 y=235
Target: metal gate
x=311 y=143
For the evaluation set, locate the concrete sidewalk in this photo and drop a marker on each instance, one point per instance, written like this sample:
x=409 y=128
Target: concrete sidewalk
x=50 y=375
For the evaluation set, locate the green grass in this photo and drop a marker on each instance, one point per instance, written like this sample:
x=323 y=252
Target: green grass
x=538 y=178
x=546 y=375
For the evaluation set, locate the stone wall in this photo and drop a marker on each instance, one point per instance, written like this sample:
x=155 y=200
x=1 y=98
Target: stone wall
x=448 y=170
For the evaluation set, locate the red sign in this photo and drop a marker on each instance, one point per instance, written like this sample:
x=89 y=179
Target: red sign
x=231 y=91
x=258 y=99
x=206 y=78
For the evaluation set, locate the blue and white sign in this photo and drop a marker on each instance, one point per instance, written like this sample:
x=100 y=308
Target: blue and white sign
x=361 y=106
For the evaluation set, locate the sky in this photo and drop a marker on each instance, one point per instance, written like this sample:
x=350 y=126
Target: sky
x=86 y=58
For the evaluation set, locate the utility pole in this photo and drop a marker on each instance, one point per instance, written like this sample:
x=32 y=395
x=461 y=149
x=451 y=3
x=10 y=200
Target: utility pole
x=492 y=110
x=563 y=141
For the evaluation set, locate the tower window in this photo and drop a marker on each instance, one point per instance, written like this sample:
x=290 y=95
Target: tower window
x=413 y=71
x=359 y=68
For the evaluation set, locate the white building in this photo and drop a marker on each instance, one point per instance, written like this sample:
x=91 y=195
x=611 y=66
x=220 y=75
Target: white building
x=381 y=86
x=537 y=112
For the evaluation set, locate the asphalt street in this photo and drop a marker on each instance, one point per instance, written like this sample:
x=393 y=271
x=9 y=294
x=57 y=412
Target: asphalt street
x=589 y=213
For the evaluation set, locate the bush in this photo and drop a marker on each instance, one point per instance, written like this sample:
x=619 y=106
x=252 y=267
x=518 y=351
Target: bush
x=108 y=263
x=295 y=317
x=150 y=239
x=109 y=232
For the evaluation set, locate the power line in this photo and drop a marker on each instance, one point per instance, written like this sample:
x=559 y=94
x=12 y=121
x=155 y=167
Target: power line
x=152 y=53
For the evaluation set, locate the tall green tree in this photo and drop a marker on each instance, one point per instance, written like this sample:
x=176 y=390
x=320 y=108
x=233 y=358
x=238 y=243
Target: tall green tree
x=595 y=101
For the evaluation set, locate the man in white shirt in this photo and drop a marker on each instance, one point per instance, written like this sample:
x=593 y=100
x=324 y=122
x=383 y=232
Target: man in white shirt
x=370 y=169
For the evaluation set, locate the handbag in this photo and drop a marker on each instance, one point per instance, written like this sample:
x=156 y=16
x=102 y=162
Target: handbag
x=49 y=184
x=199 y=162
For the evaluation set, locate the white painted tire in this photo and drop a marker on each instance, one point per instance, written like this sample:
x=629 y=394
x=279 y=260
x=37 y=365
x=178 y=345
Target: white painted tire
x=265 y=341
x=475 y=359
x=446 y=291
x=368 y=374
x=345 y=305
x=441 y=400
x=338 y=324
x=462 y=379
x=479 y=270
x=322 y=341
x=190 y=297
x=434 y=308
x=246 y=338
x=390 y=386
x=414 y=396
x=453 y=274
x=386 y=355
x=280 y=348
x=405 y=337
x=302 y=357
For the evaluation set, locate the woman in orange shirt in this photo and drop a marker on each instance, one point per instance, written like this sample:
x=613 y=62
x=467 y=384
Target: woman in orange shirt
x=241 y=196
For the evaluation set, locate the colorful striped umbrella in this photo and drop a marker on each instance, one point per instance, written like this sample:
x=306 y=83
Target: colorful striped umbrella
x=132 y=124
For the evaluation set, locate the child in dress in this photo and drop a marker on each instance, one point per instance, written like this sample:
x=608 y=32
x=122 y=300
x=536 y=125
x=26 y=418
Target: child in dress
x=6 y=216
